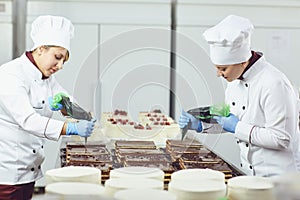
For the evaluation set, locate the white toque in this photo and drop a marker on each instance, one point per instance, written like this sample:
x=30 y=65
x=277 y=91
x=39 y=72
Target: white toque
x=230 y=40
x=52 y=30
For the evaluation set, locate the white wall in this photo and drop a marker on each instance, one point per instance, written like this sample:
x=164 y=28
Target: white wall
x=276 y=24
x=104 y=57
x=6 y=31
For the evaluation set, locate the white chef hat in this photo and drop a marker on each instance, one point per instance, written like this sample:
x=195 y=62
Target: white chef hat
x=230 y=40
x=52 y=30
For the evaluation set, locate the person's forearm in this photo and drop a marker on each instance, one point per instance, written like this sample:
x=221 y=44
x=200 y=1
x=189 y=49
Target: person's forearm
x=64 y=129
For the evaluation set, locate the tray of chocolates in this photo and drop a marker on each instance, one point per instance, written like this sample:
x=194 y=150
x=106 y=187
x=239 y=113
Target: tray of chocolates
x=167 y=167
x=132 y=144
x=177 y=155
x=73 y=148
x=148 y=158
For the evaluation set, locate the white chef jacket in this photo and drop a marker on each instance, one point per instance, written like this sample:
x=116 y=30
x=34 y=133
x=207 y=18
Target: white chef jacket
x=268 y=109
x=25 y=120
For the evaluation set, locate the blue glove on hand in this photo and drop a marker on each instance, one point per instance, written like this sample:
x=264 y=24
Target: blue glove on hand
x=83 y=128
x=184 y=120
x=228 y=123
x=56 y=107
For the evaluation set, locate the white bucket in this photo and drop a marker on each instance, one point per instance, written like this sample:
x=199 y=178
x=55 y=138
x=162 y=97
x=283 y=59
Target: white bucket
x=137 y=172
x=198 y=174
x=75 y=189
x=250 y=187
x=114 y=185
x=198 y=190
x=74 y=174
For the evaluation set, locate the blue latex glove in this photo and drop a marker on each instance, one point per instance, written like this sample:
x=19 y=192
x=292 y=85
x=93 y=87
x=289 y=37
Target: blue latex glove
x=58 y=106
x=228 y=123
x=82 y=128
x=185 y=118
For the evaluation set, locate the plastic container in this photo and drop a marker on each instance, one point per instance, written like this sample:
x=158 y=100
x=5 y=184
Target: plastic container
x=138 y=172
x=74 y=174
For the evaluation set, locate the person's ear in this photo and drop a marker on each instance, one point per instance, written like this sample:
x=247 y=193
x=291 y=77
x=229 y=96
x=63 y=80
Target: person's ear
x=40 y=50
x=244 y=64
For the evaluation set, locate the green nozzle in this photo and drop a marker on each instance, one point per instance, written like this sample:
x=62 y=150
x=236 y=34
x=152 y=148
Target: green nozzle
x=220 y=110
x=223 y=198
x=57 y=99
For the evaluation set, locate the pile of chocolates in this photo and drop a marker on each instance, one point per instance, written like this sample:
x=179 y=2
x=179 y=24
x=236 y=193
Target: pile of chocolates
x=145 y=154
x=191 y=154
x=92 y=155
x=176 y=156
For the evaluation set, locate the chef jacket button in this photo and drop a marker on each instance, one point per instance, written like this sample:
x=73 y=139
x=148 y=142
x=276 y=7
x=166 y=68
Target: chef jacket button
x=250 y=167
x=241 y=165
x=39 y=167
x=237 y=141
x=32 y=169
x=244 y=107
x=43 y=102
x=247 y=145
x=42 y=146
x=33 y=151
x=233 y=103
x=246 y=85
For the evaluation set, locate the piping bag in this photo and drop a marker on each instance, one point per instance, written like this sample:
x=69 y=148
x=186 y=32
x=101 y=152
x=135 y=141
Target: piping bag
x=206 y=114
x=73 y=109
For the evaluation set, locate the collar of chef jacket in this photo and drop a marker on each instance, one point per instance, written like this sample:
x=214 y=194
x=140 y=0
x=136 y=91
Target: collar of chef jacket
x=253 y=69
x=255 y=56
x=32 y=70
